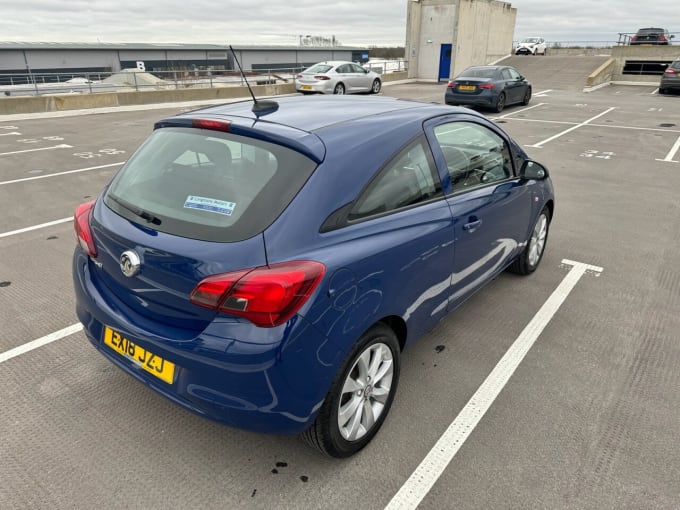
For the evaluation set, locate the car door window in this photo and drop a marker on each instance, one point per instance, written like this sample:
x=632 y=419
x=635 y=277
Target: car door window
x=357 y=69
x=410 y=178
x=505 y=74
x=514 y=75
x=475 y=155
x=344 y=69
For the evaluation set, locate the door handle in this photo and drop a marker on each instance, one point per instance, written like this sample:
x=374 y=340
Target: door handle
x=472 y=226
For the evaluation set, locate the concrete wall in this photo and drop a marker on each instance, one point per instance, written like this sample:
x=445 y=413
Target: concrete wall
x=485 y=33
x=429 y=24
x=33 y=104
x=481 y=32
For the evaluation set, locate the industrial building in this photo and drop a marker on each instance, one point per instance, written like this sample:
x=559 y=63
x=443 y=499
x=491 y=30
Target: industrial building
x=17 y=58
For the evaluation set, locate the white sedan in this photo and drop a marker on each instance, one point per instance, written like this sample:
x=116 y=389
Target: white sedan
x=337 y=77
x=531 y=46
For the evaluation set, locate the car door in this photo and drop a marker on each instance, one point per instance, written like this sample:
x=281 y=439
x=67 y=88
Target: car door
x=515 y=85
x=401 y=224
x=491 y=206
x=358 y=78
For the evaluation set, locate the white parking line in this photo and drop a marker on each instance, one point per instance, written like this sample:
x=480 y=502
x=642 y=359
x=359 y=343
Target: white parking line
x=519 y=111
x=14 y=133
x=61 y=146
x=540 y=144
x=542 y=93
x=24 y=179
x=57 y=335
x=35 y=227
x=672 y=152
x=433 y=465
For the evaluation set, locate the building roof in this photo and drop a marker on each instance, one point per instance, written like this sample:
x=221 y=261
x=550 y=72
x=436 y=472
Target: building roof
x=21 y=45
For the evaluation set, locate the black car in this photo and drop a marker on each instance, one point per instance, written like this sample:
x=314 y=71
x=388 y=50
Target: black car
x=670 y=79
x=651 y=36
x=491 y=87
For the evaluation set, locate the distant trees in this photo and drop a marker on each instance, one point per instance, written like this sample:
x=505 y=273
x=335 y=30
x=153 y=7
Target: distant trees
x=387 y=53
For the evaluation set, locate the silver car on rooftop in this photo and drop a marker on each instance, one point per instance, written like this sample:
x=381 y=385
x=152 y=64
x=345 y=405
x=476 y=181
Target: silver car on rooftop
x=337 y=77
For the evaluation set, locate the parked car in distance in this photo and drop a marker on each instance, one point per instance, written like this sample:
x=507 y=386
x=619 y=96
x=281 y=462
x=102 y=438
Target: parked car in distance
x=337 y=77
x=492 y=87
x=670 y=79
x=651 y=36
x=531 y=46
x=268 y=274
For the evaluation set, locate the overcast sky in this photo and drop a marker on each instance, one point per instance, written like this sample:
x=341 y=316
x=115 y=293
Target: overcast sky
x=352 y=22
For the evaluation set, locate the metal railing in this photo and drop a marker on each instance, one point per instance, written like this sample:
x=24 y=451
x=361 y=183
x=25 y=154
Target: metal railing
x=32 y=84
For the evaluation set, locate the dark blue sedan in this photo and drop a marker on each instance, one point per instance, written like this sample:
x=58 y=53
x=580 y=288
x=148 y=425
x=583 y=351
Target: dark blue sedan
x=268 y=270
x=493 y=87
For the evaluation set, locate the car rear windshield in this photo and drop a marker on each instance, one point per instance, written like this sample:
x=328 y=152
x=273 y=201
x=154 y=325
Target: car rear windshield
x=650 y=31
x=479 y=72
x=207 y=185
x=319 y=68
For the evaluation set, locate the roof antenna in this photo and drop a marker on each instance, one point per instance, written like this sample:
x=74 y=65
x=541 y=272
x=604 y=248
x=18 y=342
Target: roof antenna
x=262 y=107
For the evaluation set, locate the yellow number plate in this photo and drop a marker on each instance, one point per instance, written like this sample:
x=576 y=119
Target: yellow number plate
x=306 y=87
x=466 y=87
x=155 y=365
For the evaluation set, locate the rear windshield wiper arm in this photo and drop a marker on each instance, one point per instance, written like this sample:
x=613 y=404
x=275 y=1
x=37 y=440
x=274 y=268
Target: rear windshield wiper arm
x=135 y=210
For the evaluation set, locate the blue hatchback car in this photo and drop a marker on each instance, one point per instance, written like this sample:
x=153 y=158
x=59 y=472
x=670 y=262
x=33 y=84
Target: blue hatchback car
x=268 y=270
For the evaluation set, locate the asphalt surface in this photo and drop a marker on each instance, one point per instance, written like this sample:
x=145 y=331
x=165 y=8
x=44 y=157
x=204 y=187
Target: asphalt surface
x=589 y=419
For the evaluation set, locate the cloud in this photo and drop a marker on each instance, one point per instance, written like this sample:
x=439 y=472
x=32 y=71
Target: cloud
x=352 y=22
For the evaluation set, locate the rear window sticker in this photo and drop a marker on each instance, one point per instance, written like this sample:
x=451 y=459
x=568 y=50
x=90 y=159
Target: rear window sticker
x=210 y=204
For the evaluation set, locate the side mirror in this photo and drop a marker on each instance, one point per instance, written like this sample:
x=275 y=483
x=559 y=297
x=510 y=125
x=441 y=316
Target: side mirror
x=531 y=170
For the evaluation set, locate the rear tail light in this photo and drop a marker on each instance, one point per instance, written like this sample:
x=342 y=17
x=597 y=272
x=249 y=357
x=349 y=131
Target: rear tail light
x=298 y=76
x=451 y=85
x=669 y=71
x=662 y=38
x=81 y=224
x=635 y=38
x=215 y=125
x=267 y=296
x=486 y=86
x=321 y=77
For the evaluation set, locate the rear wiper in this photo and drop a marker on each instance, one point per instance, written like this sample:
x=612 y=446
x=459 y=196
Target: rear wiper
x=135 y=210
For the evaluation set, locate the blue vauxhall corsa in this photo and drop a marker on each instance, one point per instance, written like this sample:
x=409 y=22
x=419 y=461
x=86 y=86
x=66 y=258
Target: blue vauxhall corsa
x=266 y=267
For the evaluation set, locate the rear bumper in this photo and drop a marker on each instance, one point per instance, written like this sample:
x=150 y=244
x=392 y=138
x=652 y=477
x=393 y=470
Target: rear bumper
x=670 y=84
x=270 y=380
x=483 y=99
x=318 y=88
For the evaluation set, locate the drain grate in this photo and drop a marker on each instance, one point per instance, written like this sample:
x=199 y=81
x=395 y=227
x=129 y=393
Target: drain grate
x=666 y=125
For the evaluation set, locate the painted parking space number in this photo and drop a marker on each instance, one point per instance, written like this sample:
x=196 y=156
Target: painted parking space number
x=596 y=154
x=99 y=153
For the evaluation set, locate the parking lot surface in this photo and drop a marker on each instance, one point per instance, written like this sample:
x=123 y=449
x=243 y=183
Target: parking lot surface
x=587 y=417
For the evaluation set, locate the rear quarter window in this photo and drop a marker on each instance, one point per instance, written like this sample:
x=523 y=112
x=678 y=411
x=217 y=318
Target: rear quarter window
x=208 y=185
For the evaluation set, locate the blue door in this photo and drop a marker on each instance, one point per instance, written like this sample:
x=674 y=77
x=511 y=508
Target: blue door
x=444 y=62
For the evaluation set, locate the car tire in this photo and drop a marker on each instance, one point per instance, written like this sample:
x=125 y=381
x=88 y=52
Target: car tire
x=527 y=97
x=375 y=88
x=662 y=91
x=360 y=397
x=339 y=89
x=500 y=103
x=531 y=256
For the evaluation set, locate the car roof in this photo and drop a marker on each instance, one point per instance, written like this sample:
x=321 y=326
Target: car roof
x=313 y=113
x=334 y=62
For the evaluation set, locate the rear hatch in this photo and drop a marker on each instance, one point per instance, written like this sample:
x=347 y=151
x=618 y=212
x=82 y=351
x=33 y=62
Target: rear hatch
x=192 y=202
